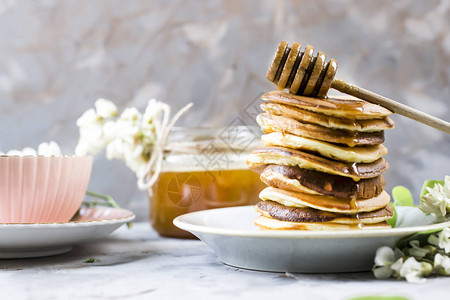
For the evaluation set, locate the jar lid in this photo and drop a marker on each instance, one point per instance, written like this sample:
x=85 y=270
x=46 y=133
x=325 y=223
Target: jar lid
x=193 y=140
x=209 y=149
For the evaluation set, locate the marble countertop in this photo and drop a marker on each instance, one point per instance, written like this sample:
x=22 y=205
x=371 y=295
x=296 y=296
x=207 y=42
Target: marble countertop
x=138 y=264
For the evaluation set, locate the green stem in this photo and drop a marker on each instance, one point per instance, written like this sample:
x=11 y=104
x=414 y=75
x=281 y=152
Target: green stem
x=107 y=198
x=431 y=262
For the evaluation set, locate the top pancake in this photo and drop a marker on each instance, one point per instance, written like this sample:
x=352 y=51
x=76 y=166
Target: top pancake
x=346 y=107
x=327 y=121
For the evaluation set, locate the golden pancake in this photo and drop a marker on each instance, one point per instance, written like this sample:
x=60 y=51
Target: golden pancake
x=272 y=123
x=327 y=121
x=326 y=203
x=344 y=107
x=272 y=224
x=305 y=214
x=346 y=154
x=314 y=182
x=261 y=157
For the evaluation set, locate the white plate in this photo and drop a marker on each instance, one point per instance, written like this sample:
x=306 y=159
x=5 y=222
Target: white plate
x=236 y=241
x=44 y=239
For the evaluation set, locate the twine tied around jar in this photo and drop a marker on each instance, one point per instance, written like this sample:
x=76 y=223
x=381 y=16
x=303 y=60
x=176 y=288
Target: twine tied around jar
x=148 y=174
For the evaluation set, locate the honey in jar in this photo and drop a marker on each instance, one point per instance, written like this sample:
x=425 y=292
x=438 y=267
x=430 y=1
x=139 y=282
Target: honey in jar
x=203 y=168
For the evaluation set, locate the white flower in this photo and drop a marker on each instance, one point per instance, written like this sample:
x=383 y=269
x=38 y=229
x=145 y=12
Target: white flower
x=441 y=239
x=131 y=114
x=446 y=189
x=44 y=149
x=130 y=137
x=125 y=140
x=150 y=111
x=91 y=138
x=14 y=153
x=387 y=262
x=49 y=149
x=127 y=131
x=134 y=158
x=153 y=111
x=414 y=271
x=27 y=151
x=397 y=265
x=437 y=201
x=110 y=129
x=420 y=252
x=442 y=264
x=87 y=118
x=105 y=108
x=82 y=148
x=126 y=144
x=115 y=150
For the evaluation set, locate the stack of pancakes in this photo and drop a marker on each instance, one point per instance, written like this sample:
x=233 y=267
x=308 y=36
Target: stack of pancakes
x=322 y=162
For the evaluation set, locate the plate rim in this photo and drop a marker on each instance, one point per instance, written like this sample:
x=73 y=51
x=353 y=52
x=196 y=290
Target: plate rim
x=130 y=217
x=297 y=234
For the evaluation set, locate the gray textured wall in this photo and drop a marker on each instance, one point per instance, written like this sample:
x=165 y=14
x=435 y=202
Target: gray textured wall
x=57 y=57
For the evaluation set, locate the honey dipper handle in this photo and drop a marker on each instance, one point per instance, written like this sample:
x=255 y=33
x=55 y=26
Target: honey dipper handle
x=392 y=105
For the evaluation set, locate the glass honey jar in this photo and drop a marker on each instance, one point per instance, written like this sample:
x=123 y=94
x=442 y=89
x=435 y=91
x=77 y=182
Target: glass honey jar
x=203 y=168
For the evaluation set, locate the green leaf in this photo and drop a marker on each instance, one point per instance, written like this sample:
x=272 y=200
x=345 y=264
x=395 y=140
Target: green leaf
x=393 y=221
x=402 y=196
x=92 y=260
x=377 y=297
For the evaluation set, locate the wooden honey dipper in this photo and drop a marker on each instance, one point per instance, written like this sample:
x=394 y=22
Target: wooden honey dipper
x=305 y=74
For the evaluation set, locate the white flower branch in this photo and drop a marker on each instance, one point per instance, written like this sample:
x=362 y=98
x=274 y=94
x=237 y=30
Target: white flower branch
x=420 y=257
x=135 y=138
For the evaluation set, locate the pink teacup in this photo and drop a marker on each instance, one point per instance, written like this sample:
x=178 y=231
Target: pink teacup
x=39 y=189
